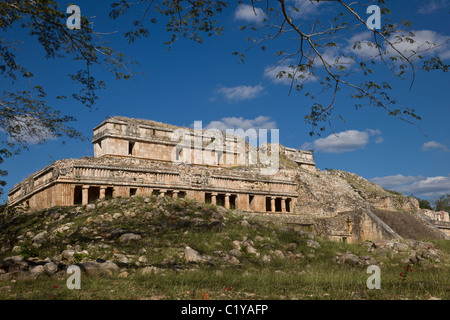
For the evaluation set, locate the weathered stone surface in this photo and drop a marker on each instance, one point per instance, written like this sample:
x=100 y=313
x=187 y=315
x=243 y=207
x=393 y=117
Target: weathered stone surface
x=40 y=238
x=278 y=254
x=353 y=260
x=143 y=259
x=150 y=270
x=135 y=158
x=50 y=268
x=190 y=255
x=265 y=259
x=116 y=215
x=36 y=271
x=120 y=258
x=235 y=253
x=116 y=233
x=93 y=268
x=312 y=244
x=129 y=237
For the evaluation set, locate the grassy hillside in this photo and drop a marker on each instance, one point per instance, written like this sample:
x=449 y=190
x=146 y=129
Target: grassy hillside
x=179 y=249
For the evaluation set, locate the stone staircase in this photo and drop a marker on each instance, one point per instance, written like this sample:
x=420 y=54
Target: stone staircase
x=407 y=225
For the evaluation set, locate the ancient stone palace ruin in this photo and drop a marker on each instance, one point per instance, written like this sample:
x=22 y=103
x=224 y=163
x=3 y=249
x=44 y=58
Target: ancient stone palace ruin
x=140 y=157
x=145 y=158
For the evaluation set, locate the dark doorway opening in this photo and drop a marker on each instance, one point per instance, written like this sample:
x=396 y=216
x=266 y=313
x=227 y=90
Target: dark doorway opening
x=233 y=201
x=130 y=148
x=268 y=204
x=78 y=195
x=251 y=203
x=133 y=191
x=109 y=191
x=93 y=194
x=220 y=200
x=277 y=204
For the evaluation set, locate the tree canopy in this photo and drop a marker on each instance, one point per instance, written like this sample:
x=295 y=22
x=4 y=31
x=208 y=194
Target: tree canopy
x=307 y=54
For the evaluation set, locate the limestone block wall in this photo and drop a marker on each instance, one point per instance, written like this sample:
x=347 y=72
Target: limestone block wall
x=129 y=137
x=354 y=226
x=149 y=140
x=75 y=182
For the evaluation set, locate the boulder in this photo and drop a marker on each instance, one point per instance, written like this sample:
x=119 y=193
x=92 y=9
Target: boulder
x=16 y=249
x=190 y=255
x=245 y=223
x=120 y=258
x=197 y=222
x=116 y=233
x=116 y=215
x=233 y=260
x=350 y=259
x=217 y=224
x=278 y=254
x=235 y=253
x=236 y=245
x=40 y=238
x=68 y=254
x=312 y=244
x=36 y=271
x=129 y=237
x=150 y=270
x=93 y=268
x=50 y=268
x=143 y=259
x=265 y=259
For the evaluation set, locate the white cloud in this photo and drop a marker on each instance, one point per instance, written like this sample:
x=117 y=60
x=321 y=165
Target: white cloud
x=365 y=47
x=426 y=43
x=434 y=145
x=431 y=6
x=394 y=181
x=241 y=93
x=425 y=40
x=419 y=186
x=247 y=13
x=286 y=68
x=332 y=57
x=305 y=8
x=289 y=68
x=260 y=122
x=345 y=141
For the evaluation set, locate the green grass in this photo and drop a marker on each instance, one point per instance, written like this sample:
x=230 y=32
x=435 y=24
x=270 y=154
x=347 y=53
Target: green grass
x=325 y=281
x=312 y=277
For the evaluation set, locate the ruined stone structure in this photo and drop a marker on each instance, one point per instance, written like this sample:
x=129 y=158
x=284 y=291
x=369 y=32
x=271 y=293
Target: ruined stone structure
x=140 y=157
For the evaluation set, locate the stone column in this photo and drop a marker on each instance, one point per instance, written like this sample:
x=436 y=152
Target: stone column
x=85 y=195
x=227 y=201
x=283 y=204
x=102 y=192
x=214 y=198
x=175 y=194
x=272 y=204
x=162 y=193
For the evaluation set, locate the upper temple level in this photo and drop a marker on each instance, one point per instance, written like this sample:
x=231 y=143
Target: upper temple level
x=145 y=139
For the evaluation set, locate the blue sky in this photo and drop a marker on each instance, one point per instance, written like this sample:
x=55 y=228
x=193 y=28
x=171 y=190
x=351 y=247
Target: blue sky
x=205 y=82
